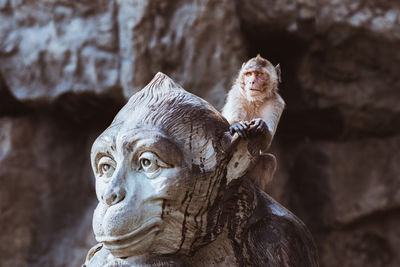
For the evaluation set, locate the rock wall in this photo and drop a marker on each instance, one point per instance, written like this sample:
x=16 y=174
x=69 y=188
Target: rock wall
x=67 y=67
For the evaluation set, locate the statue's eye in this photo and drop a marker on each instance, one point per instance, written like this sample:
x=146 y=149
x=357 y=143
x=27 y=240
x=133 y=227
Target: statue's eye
x=106 y=166
x=151 y=164
x=146 y=163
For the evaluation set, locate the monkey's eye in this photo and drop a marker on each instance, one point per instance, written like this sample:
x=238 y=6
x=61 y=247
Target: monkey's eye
x=248 y=74
x=151 y=164
x=106 y=166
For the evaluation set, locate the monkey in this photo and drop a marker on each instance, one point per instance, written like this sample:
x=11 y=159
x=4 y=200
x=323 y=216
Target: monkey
x=253 y=108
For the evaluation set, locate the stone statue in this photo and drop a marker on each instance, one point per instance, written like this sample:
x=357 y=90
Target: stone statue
x=172 y=190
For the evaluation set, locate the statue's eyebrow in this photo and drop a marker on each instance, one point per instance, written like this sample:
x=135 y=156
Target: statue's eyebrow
x=106 y=142
x=129 y=145
x=163 y=147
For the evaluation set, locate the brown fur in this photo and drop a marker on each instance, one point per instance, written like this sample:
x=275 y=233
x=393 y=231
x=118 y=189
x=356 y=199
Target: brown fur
x=267 y=105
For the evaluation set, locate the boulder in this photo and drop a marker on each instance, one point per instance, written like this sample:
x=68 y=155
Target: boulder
x=47 y=186
x=49 y=48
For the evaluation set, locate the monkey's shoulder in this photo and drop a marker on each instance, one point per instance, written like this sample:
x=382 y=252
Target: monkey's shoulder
x=274 y=99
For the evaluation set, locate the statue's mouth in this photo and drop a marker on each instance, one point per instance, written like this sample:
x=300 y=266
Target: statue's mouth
x=130 y=239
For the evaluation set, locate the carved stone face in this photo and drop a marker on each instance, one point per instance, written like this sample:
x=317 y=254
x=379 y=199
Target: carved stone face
x=158 y=172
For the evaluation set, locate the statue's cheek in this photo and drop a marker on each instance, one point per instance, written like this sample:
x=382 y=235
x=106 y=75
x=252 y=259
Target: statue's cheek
x=98 y=216
x=100 y=188
x=166 y=183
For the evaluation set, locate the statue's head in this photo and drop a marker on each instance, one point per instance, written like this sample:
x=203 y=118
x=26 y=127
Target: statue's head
x=159 y=168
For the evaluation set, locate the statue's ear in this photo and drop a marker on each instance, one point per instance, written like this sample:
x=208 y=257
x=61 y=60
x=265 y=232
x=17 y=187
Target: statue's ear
x=242 y=156
x=278 y=72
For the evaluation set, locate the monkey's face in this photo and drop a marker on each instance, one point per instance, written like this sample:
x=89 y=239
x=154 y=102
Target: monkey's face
x=256 y=81
x=259 y=79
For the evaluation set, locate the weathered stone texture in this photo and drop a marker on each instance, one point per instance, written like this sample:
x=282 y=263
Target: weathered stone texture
x=66 y=67
x=105 y=46
x=346 y=181
x=46 y=187
x=49 y=48
x=197 y=43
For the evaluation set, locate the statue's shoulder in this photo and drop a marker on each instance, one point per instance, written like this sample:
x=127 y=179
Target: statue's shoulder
x=284 y=238
x=97 y=256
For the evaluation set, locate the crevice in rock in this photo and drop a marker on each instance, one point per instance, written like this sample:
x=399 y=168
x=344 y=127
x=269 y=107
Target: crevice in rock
x=310 y=124
x=299 y=121
x=358 y=76
x=376 y=217
x=83 y=111
x=310 y=189
x=9 y=105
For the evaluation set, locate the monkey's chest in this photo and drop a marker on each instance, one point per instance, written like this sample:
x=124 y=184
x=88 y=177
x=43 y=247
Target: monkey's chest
x=251 y=113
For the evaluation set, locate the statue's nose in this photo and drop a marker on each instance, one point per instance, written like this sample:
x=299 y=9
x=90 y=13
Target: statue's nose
x=115 y=191
x=113 y=195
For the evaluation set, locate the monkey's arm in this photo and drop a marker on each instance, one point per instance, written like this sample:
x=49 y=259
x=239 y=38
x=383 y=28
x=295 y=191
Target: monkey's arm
x=271 y=112
x=234 y=109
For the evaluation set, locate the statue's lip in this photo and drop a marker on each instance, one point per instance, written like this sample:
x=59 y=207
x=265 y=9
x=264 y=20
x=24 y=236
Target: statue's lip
x=129 y=239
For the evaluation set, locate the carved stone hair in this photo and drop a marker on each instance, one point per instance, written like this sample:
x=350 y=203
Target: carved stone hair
x=193 y=123
x=165 y=105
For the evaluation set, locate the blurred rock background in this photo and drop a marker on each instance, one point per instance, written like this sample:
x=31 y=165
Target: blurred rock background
x=67 y=67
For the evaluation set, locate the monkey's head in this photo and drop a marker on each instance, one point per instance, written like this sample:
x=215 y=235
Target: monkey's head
x=159 y=168
x=259 y=79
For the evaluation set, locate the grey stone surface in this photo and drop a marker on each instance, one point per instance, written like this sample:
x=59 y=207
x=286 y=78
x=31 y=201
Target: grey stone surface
x=46 y=186
x=371 y=243
x=77 y=62
x=198 y=43
x=115 y=47
x=358 y=178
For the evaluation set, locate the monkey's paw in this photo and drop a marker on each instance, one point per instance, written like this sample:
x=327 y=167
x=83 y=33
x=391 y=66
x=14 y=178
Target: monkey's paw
x=259 y=127
x=241 y=128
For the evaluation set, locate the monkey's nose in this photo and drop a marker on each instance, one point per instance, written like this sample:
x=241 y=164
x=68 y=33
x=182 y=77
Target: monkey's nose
x=113 y=196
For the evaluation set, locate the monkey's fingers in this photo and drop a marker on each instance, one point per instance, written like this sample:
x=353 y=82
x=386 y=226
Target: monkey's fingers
x=246 y=129
x=256 y=122
x=231 y=130
x=241 y=128
x=262 y=127
x=235 y=128
x=254 y=127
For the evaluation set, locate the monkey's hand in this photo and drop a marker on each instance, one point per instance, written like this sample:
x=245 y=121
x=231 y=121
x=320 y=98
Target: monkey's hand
x=241 y=128
x=259 y=127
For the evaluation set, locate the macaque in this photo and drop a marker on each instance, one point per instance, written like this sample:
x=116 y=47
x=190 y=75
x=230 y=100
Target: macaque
x=253 y=108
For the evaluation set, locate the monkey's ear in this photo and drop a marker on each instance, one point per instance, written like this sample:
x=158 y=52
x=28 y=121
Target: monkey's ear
x=278 y=72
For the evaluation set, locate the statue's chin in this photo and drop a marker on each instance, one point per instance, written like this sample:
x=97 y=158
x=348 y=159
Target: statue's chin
x=136 y=242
